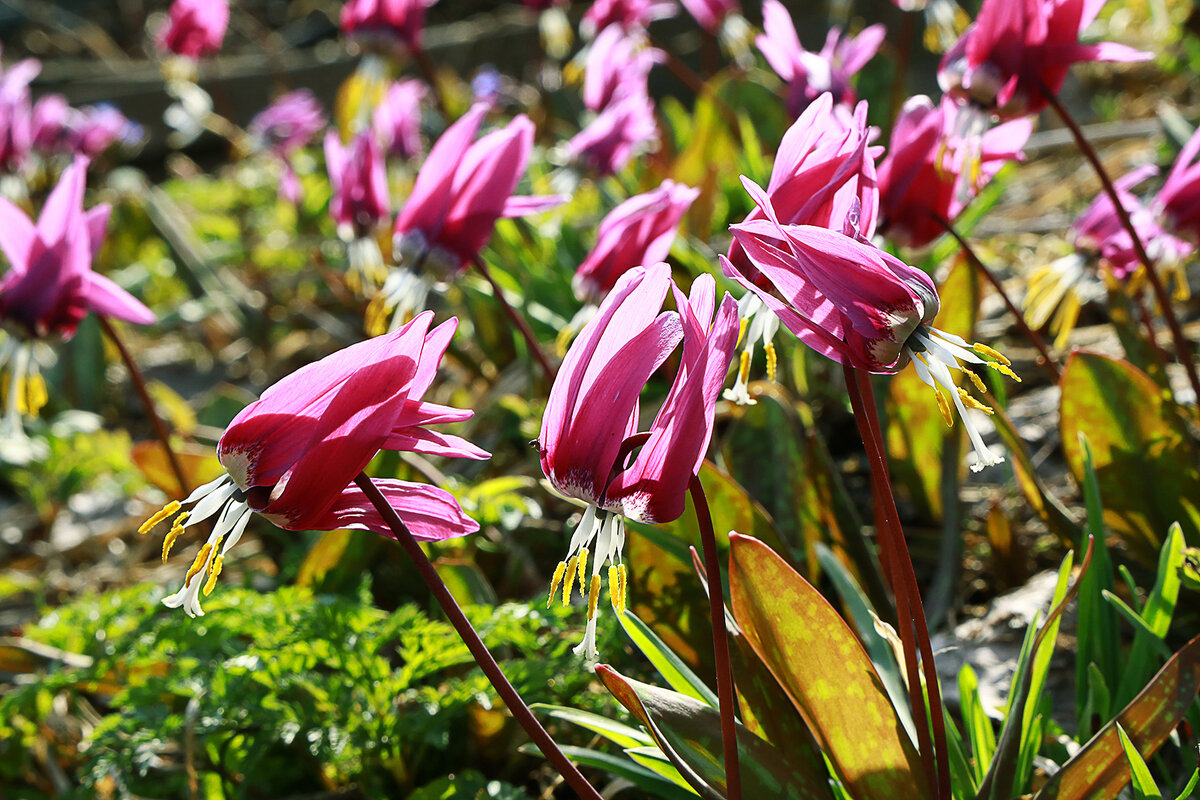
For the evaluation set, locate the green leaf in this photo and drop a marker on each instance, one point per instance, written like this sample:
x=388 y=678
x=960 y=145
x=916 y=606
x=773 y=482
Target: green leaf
x=639 y=775
x=1191 y=786
x=1100 y=770
x=655 y=760
x=1132 y=431
x=689 y=733
x=616 y=732
x=1156 y=614
x=1144 y=787
x=676 y=673
x=976 y=721
x=823 y=668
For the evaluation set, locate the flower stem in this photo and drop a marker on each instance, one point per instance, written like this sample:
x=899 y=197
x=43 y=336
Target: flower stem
x=139 y=385
x=909 y=610
x=1183 y=350
x=1046 y=359
x=478 y=649
x=425 y=65
x=517 y=319
x=716 y=604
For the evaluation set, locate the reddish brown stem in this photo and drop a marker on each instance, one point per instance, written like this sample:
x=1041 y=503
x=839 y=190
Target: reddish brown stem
x=1046 y=359
x=1183 y=350
x=716 y=608
x=534 y=347
x=478 y=649
x=909 y=610
x=139 y=385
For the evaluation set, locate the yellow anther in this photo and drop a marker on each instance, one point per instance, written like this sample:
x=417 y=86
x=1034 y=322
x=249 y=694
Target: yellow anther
x=583 y=557
x=213 y=572
x=744 y=367
x=375 y=318
x=164 y=512
x=199 y=564
x=771 y=361
x=173 y=534
x=623 y=576
x=984 y=350
x=1003 y=370
x=975 y=379
x=971 y=402
x=559 y=571
x=572 y=568
x=614 y=586
x=18 y=387
x=35 y=394
x=593 y=595
x=742 y=325
x=944 y=407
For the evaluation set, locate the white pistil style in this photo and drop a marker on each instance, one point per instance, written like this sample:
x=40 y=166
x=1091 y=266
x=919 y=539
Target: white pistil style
x=367 y=269
x=758 y=323
x=402 y=297
x=606 y=531
x=221 y=495
x=934 y=353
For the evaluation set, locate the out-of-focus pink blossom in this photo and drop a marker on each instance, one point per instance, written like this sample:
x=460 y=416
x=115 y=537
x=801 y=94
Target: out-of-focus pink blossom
x=928 y=169
x=58 y=128
x=618 y=63
x=611 y=139
x=385 y=23
x=194 y=28
x=360 y=202
x=638 y=231
x=854 y=303
x=593 y=409
x=462 y=189
x=811 y=74
x=629 y=14
x=1179 y=198
x=1015 y=46
x=710 y=13
x=16 y=113
x=50 y=286
x=293 y=454
x=50 y=125
x=397 y=119
x=285 y=126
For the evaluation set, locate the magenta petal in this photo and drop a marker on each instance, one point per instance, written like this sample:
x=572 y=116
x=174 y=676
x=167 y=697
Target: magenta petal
x=16 y=236
x=432 y=443
x=524 y=205
x=107 y=298
x=64 y=206
x=96 y=219
x=430 y=514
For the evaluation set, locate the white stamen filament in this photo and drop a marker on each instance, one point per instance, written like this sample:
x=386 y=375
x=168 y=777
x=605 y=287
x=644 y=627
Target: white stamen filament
x=218 y=495
x=607 y=529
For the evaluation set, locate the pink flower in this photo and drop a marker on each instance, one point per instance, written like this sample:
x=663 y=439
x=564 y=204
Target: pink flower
x=96 y=128
x=16 y=113
x=360 y=201
x=811 y=74
x=387 y=23
x=927 y=170
x=50 y=286
x=638 y=231
x=293 y=454
x=710 y=13
x=629 y=14
x=397 y=120
x=608 y=143
x=194 y=28
x=617 y=63
x=462 y=189
x=593 y=409
x=856 y=304
x=284 y=127
x=1015 y=46
x=50 y=123
x=1179 y=198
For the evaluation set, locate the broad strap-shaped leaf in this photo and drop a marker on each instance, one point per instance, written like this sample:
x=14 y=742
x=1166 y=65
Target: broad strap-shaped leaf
x=1100 y=770
x=689 y=733
x=821 y=665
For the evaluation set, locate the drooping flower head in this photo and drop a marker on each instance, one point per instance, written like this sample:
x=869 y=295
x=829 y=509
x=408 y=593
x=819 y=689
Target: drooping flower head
x=1178 y=201
x=638 y=231
x=858 y=305
x=618 y=62
x=629 y=14
x=809 y=75
x=59 y=129
x=283 y=128
x=194 y=28
x=1015 y=46
x=617 y=133
x=593 y=410
x=396 y=121
x=16 y=113
x=930 y=173
x=293 y=454
x=49 y=286
x=386 y=24
x=711 y=13
x=360 y=203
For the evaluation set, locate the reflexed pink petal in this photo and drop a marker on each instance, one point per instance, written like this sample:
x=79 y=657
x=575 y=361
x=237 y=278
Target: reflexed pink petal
x=107 y=298
x=433 y=443
x=430 y=514
x=63 y=207
x=17 y=234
